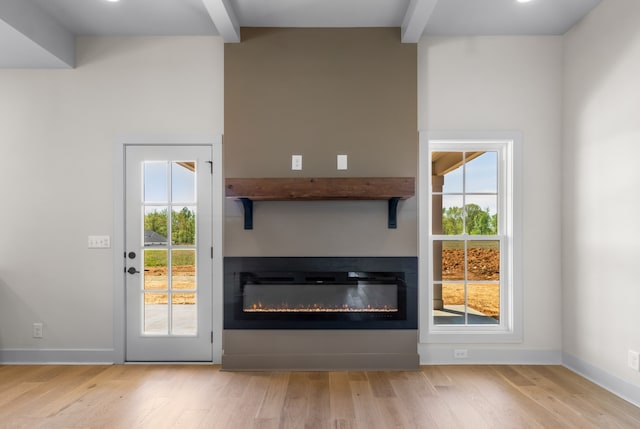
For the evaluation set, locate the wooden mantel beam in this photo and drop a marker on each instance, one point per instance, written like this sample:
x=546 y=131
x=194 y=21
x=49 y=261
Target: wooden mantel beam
x=324 y=188
x=392 y=189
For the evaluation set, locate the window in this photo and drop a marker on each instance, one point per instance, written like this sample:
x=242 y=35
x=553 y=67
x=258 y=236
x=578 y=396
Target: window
x=467 y=245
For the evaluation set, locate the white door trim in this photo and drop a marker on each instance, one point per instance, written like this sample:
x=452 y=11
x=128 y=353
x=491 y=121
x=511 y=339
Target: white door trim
x=119 y=310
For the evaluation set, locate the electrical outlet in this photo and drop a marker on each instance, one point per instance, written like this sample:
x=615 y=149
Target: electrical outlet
x=99 y=242
x=460 y=354
x=296 y=162
x=633 y=360
x=38 y=330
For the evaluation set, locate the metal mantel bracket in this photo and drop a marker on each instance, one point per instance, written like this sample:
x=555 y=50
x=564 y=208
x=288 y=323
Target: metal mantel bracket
x=247 y=204
x=392 y=222
x=393 y=213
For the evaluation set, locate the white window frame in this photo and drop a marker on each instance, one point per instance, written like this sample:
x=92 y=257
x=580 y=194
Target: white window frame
x=508 y=144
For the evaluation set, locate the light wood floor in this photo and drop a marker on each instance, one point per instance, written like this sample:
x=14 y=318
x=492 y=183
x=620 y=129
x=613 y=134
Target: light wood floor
x=186 y=396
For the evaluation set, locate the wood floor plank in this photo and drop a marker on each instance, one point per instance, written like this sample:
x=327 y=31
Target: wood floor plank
x=602 y=400
x=9 y=374
x=14 y=392
x=294 y=408
x=68 y=391
x=512 y=376
x=393 y=412
x=246 y=408
x=341 y=399
x=380 y=385
x=221 y=411
x=502 y=400
x=273 y=400
x=437 y=375
x=465 y=378
x=367 y=414
x=418 y=398
x=419 y=383
x=509 y=401
x=203 y=396
x=589 y=411
x=564 y=413
x=319 y=409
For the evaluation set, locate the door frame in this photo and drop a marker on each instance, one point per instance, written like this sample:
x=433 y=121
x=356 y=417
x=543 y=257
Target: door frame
x=118 y=242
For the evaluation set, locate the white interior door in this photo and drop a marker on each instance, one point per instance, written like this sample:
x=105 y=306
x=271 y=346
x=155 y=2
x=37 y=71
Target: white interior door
x=168 y=253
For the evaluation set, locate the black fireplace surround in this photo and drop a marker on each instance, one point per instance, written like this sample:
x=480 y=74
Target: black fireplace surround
x=320 y=293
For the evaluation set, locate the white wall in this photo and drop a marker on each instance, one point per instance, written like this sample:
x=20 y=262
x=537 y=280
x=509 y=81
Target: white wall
x=508 y=83
x=601 y=230
x=57 y=138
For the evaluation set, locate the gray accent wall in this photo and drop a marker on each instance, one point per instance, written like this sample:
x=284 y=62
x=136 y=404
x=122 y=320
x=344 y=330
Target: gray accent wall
x=319 y=93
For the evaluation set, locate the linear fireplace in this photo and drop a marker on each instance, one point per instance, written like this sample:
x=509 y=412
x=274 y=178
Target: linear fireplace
x=320 y=313
x=320 y=293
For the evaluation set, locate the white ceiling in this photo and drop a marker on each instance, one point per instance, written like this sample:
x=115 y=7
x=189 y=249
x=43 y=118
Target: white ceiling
x=40 y=33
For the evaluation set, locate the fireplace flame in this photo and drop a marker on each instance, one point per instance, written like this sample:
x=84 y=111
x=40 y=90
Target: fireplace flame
x=316 y=308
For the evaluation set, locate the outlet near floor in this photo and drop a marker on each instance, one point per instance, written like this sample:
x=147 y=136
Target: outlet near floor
x=460 y=354
x=633 y=360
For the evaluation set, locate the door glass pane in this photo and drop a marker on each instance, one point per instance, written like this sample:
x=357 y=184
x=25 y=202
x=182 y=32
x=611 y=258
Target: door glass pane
x=183 y=226
x=155 y=226
x=184 y=314
x=156 y=182
x=156 y=314
x=183 y=182
x=155 y=269
x=183 y=269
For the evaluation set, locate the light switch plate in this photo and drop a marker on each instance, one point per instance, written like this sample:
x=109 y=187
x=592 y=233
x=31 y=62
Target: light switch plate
x=38 y=330
x=99 y=242
x=342 y=162
x=296 y=162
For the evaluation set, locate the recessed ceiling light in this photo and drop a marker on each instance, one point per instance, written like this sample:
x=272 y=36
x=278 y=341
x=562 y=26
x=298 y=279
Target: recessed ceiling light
x=519 y=1
x=115 y=1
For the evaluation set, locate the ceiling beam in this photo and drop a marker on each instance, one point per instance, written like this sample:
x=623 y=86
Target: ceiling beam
x=34 y=29
x=224 y=18
x=416 y=19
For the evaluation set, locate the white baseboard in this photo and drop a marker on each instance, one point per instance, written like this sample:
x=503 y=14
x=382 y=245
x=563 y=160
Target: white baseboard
x=627 y=391
x=56 y=356
x=437 y=355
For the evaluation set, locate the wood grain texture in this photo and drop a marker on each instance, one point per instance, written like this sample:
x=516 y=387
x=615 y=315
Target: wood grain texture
x=321 y=188
x=203 y=396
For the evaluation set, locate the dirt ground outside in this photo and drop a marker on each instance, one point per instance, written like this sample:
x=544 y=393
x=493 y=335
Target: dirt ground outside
x=155 y=281
x=483 y=264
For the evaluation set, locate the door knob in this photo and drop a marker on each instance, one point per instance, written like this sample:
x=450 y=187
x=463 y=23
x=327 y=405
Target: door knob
x=132 y=270
x=132 y=255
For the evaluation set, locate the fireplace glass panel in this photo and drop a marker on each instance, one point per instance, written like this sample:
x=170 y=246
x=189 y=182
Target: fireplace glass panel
x=360 y=297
